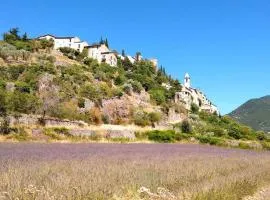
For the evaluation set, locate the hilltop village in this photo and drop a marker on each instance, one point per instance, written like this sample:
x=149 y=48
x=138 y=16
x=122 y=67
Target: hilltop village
x=100 y=51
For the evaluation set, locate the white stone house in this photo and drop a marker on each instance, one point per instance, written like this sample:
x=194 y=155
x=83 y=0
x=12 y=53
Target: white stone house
x=102 y=53
x=190 y=95
x=71 y=42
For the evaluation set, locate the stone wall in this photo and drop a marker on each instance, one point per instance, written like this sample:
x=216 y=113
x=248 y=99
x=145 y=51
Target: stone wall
x=32 y=120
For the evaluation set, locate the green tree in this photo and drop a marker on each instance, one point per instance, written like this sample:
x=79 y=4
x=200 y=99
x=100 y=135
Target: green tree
x=25 y=37
x=158 y=95
x=194 y=108
x=154 y=117
x=186 y=127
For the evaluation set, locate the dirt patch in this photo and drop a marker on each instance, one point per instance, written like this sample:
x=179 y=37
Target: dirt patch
x=263 y=194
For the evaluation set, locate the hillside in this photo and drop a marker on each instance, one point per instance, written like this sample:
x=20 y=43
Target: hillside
x=66 y=84
x=60 y=94
x=255 y=113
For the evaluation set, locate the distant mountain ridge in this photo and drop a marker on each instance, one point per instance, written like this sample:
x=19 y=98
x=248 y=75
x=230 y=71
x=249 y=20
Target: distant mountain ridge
x=255 y=113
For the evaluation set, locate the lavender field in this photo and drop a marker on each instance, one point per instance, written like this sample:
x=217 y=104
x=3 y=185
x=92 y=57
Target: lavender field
x=130 y=171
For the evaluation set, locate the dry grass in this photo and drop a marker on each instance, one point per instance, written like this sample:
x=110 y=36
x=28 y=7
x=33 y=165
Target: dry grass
x=115 y=171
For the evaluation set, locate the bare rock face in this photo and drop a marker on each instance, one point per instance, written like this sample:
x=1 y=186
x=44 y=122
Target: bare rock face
x=119 y=108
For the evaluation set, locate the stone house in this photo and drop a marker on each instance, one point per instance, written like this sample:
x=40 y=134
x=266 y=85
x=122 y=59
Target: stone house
x=71 y=42
x=102 y=53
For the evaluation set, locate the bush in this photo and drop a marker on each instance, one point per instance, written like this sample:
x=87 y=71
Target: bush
x=182 y=136
x=260 y=135
x=22 y=87
x=243 y=145
x=141 y=118
x=235 y=133
x=194 y=108
x=154 y=117
x=210 y=140
x=186 y=127
x=4 y=126
x=266 y=145
x=95 y=116
x=218 y=132
x=162 y=136
x=61 y=130
x=81 y=102
x=158 y=95
x=105 y=119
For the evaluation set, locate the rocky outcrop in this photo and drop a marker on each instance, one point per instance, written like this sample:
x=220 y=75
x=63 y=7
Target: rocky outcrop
x=119 y=108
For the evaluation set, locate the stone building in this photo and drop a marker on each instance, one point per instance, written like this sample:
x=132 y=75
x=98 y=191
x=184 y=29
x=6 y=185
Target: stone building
x=190 y=95
x=102 y=53
x=71 y=42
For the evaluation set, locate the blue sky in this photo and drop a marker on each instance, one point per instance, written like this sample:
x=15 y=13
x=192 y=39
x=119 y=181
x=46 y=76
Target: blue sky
x=224 y=45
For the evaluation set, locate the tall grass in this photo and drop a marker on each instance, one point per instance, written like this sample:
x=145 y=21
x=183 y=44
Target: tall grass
x=115 y=171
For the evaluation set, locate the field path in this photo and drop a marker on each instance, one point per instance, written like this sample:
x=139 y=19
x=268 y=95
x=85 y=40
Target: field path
x=263 y=194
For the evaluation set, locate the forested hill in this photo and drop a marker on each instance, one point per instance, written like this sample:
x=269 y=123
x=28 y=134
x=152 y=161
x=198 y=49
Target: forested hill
x=255 y=113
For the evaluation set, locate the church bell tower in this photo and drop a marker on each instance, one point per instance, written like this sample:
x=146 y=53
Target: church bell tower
x=187 y=83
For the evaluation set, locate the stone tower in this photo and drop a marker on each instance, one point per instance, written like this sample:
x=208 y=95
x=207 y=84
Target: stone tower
x=187 y=81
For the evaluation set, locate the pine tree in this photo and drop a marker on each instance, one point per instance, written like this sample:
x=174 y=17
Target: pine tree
x=123 y=53
x=25 y=37
x=101 y=41
x=106 y=43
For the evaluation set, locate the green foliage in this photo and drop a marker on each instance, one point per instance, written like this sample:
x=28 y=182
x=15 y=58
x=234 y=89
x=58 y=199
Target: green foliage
x=261 y=135
x=154 y=117
x=186 y=127
x=3 y=109
x=4 y=125
x=22 y=87
x=162 y=136
x=182 y=136
x=22 y=102
x=158 y=96
x=69 y=52
x=194 y=108
x=141 y=118
x=244 y=145
x=61 y=130
x=210 y=140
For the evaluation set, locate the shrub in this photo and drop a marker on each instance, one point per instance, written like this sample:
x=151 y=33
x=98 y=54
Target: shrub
x=154 y=117
x=235 y=133
x=194 y=108
x=162 y=136
x=218 y=132
x=141 y=118
x=158 y=95
x=4 y=126
x=266 y=145
x=127 y=88
x=186 y=127
x=136 y=86
x=243 y=145
x=141 y=135
x=22 y=87
x=182 y=136
x=95 y=116
x=61 y=130
x=81 y=102
x=260 y=135
x=210 y=140
x=105 y=119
